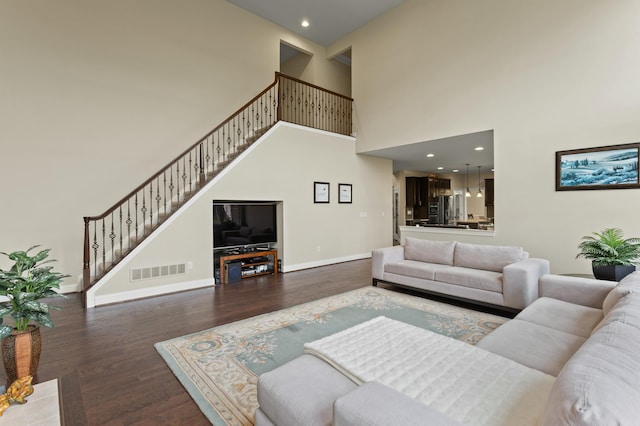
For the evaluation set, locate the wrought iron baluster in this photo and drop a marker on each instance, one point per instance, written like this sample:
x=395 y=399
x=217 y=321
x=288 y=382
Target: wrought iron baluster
x=151 y=203
x=104 y=251
x=136 y=215
x=171 y=188
x=177 y=182
x=164 y=191
x=201 y=161
x=129 y=222
x=144 y=214
x=112 y=237
x=158 y=198
x=95 y=248
x=120 y=220
x=207 y=157
x=184 y=178
x=190 y=169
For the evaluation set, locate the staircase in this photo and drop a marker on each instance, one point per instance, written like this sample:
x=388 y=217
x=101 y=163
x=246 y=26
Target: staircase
x=111 y=236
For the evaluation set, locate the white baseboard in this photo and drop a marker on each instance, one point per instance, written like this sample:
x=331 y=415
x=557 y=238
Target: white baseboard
x=325 y=262
x=69 y=288
x=151 y=291
x=191 y=285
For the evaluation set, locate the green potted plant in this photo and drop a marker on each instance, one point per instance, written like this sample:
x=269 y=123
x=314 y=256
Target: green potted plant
x=612 y=256
x=23 y=286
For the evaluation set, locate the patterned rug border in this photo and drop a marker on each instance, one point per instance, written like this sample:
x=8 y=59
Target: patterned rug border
x=215 y=404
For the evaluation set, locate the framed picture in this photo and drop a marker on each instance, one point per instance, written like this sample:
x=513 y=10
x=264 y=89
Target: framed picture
x=320 y=192
x=605 y=167
x=344 y=193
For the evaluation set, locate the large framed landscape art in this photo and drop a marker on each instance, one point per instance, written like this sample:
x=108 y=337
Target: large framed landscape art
x=605 y=167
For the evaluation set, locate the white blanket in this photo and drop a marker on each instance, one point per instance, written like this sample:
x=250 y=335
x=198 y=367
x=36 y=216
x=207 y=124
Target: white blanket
x=469 y=384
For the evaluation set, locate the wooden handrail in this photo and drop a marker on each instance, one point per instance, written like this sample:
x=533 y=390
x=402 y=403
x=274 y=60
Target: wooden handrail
x=322 y=89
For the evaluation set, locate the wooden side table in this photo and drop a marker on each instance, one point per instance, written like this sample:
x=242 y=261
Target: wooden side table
x=248 y=256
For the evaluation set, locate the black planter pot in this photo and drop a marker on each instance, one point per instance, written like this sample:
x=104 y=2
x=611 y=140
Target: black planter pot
x=612 y=272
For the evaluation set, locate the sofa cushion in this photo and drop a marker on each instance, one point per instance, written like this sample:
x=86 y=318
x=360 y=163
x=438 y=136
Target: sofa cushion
x=288 y=397
x=564 y=316
x=600 y=385
x=416 y=269
x=490 y=258
x=474 y=278
x=374 y=404
x=629 y=284
x=429 y=251
x=533 y=345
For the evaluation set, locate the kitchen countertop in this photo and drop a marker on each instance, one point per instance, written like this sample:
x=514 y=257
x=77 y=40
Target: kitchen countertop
x=406 y=230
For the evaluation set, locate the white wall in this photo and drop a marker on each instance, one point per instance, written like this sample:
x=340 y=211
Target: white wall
x=281 y=167
x=95 y=96
x=547 y=75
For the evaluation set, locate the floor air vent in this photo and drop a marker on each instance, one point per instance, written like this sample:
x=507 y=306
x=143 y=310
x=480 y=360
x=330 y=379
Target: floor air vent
x=158 y=271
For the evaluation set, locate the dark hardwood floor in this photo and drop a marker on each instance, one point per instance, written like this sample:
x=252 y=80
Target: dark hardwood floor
x=109 y=371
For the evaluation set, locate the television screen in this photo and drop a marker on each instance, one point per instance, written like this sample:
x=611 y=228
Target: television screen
x=243 y=223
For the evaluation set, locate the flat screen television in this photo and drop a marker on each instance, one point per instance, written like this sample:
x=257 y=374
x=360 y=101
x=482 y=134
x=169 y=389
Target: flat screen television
x=244 y=223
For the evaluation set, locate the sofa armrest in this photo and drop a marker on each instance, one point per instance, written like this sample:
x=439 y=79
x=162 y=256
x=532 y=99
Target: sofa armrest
x=581 y=291
x=374 y=404
x=520 y=281
x=380 y=257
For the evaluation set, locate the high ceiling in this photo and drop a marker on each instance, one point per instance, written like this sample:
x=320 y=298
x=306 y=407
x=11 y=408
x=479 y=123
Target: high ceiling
x=329 y=20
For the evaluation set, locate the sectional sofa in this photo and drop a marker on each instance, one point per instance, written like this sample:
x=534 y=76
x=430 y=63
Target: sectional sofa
x=502 y=276
x=569 y=358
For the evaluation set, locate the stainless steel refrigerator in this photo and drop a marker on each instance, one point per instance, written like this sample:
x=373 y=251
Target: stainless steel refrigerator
x=445 y=209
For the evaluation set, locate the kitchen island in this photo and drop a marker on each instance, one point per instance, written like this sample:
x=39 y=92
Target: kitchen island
x=445 y=232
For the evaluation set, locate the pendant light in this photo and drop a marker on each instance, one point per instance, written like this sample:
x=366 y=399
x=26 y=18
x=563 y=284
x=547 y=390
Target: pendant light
x=468 y=193
x=479 y=194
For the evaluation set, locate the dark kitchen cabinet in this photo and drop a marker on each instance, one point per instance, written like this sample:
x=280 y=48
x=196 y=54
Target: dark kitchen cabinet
x=488 y=192
x=412 y=185
x=420 y=191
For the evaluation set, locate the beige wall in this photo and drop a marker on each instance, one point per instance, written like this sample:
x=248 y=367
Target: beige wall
x=95 y=96
x=546 y=76
x=282 y=167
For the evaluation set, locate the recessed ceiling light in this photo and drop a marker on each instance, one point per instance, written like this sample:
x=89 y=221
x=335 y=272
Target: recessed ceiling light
x=430 y=155
x=455 y=170
x=304 y=23
x=440 y=168
x=479 y=148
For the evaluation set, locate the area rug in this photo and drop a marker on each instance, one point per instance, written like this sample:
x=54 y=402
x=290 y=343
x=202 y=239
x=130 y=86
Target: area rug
x=219 y=367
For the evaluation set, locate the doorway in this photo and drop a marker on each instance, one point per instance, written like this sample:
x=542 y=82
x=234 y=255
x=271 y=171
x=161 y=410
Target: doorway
x=295 y=62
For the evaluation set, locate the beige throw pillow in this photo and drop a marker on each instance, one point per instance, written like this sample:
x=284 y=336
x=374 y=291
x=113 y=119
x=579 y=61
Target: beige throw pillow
x=486 y=257
x=429 y=251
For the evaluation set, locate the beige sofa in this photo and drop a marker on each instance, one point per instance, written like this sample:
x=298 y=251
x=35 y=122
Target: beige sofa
x=579 y=345
x=502 y=276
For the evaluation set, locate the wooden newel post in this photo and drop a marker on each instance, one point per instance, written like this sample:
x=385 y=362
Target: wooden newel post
x=86 y=261
x=279 y=107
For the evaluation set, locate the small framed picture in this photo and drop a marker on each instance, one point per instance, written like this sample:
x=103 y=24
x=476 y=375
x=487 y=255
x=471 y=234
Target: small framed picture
x=344 y=193
x=320 y=192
